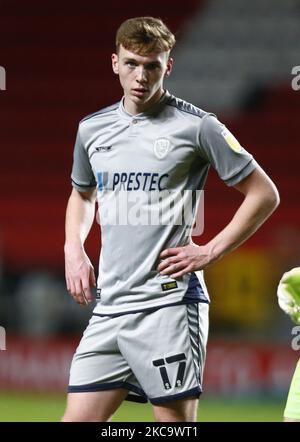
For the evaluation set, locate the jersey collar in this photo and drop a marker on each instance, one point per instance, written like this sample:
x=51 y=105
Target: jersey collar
x=154 y=110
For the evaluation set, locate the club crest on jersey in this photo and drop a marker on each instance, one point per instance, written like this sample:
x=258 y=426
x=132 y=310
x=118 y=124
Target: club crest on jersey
x=161 y=147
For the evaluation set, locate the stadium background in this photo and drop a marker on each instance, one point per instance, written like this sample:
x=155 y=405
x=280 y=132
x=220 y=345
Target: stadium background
x=233 y=58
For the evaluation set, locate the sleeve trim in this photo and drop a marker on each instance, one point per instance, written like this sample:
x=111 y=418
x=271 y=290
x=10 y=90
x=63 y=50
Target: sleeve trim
x=241 y=174
x=83 y=186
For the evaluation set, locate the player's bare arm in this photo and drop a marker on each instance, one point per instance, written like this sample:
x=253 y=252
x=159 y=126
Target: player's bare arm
x=261 y=199
x=80 y=276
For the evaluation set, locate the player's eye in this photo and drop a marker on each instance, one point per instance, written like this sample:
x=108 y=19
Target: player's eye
x=131 y=64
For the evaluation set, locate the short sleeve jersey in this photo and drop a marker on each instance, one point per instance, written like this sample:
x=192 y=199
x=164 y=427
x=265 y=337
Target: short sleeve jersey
x=149 y=170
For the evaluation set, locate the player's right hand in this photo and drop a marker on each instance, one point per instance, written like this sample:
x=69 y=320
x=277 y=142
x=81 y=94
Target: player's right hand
x=80 y=275
x=288 y=293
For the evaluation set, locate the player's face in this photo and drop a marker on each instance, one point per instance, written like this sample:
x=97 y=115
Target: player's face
x=141 y=77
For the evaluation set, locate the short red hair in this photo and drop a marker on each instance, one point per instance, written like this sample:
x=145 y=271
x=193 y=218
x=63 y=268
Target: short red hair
x=144 y=35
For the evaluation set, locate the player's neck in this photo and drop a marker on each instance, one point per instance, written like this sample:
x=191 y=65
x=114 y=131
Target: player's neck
x=134 y=108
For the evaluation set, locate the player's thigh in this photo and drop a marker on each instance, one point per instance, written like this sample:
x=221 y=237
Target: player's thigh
x=180 y=410
x=93 y=406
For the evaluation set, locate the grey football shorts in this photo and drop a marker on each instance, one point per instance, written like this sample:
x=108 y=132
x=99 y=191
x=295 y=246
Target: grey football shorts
x=157 y=355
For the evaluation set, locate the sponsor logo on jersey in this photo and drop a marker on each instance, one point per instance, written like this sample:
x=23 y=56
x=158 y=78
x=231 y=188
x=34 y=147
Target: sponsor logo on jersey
x=231 y=140
x=128 y=181
x=169 y=286
x=161 y=147
x=102 y=180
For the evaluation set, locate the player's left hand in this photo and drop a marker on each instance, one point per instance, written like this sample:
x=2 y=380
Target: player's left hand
x=178 y=261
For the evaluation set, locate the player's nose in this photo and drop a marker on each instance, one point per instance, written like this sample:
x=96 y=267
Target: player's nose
x=141 y=75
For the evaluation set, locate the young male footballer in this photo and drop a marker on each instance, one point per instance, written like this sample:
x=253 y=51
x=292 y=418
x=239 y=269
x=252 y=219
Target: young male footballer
x=289 y=300
x=142 y=159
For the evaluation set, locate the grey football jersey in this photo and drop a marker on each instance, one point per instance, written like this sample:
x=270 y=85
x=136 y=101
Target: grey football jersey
x=148 y=170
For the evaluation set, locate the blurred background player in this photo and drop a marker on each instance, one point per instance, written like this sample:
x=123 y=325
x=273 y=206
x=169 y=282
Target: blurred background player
x=147 y=336
x=289 y=300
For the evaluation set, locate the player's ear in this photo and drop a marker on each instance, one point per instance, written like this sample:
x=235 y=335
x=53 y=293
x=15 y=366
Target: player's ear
x=169 y=67
x=115 y=63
